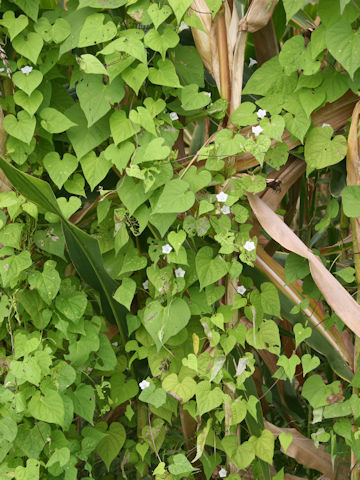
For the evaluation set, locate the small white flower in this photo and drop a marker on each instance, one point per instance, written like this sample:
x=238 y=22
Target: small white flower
x=166 y=248
x=249 y=246
x=225 y=210
x=115 y=344
x=222 y=197
x=174 y=116
x=2 y=69
x=146 y=285
x=179 y=273
x=252 y=62
x=222 y=473
x=183 y=26
x=144 y=384
x=241 y=289
x=26 y=70
x=261 y=113
x=257 y=130
x=326 y=125
x=48 y=439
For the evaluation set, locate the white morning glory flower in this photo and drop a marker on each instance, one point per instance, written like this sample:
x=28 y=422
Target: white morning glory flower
x=222 y=197
x=146 y=285
x=183 y=26
x=222 y=473
x=252 y=62
x=26 y=70
x=166 y=248
x=241 y=289
x=2 y=69
x=144 y=384
x=326 y=125
x=225 y=210
x=179 y=272
x=261 y=113
x=174 y=116
x=249 y=246
x=257 y=130
x=115 y=344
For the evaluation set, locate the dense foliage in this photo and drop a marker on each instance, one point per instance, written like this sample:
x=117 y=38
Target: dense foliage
x=164 y=311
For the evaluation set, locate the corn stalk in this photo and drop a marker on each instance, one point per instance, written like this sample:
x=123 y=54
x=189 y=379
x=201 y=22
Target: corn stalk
x=353 y=178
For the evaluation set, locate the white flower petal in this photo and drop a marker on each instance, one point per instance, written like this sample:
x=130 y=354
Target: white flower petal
x=222 y=197
x=223 y=473
x=252 y=62
x=241 y=289
x=179 y=272
x=326 y=125
x=183 y=26
x=166 y=249
x=174 y=116
x=26 y=70
x=261 y=113
x=146 y=285
x=144 y=384
x=249 y=246
x=225 y=210
x=257 y=130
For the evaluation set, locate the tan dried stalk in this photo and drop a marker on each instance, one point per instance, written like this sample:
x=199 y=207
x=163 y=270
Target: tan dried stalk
x=303 y=450
x=353 y=178
x=335 y=294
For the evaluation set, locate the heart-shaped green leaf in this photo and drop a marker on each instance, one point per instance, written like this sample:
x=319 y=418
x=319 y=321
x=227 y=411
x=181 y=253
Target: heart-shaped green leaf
x=22 y=127
x=28 y=82
x=191 y=99
x=309 y=363
x=164 y=74
x=96 y=98
x=60 y=170
x=197 y=179
x=163 y=323
x=158 y=14
x=54 y=121
x=176 y=239
x=209 y=269
x=94 y=31
x=109 y=447
x=95 y=168
x=70 y=206
x=180 y=7
x=91 y=64
x=75 y=185
x=264 y=446
x=301 y=333
x=289 y=365
x=175 y=198
x=28 y=44
x=344 y=44
x=121 y=390
x=184 y=389
x=161 y=40
x=207 y=399
x=30 y=103
x=321 y=150
x=14 y=25
x=135 y=77
x=285 y=440
x=142 y=449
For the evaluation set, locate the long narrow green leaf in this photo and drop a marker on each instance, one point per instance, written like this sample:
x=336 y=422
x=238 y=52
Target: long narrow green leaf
x=83 y=249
